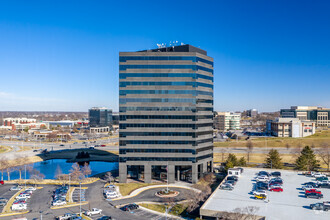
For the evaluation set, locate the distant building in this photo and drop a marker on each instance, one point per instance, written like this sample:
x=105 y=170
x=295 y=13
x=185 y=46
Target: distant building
x=290 y=127
x=225 y=121
x=20 y=124
x=100 y=117
x=252 y=113
x=320 y=115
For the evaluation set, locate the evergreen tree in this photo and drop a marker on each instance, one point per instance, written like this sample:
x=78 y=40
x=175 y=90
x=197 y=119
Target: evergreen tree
x=232 y=158
x=307 y=160
x=241 y=162
x=273 y=160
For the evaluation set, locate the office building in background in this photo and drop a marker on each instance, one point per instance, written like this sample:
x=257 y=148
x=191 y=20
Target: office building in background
x=225 y=121
x=100 y=118
x=166 y=114
x=320 y=115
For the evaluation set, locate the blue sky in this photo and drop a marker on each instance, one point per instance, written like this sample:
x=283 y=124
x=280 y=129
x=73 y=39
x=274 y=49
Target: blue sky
x=63 y=55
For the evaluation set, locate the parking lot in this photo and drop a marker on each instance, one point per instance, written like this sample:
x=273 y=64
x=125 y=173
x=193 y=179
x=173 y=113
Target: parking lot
x=289 y=204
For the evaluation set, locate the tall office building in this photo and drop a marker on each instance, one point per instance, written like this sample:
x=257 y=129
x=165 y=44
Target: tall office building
x=166 y=114
x=100 y=117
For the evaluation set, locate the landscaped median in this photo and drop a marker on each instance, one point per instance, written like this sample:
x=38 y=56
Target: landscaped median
x=55 y=182
x=69 y=199
x=176 y=211
x=7 y=209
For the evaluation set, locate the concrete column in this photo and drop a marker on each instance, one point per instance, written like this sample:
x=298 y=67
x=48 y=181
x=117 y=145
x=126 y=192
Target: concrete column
x=211 y=166
x=122 y=172
x=178 y=175
x=147 y=173
x=194 y=173
x=204 y=167
x=171 y=173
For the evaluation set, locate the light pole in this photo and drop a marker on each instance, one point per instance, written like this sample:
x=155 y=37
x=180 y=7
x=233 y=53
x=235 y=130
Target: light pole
x=80 y=199
x=69 y=186
x=25 y=175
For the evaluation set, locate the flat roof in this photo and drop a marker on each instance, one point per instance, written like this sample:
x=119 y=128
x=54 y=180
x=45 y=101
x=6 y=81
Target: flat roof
x=289 y=204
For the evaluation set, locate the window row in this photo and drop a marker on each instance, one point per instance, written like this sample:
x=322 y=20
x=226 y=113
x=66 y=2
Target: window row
x=174 y=117
x=192 y=134
x=192 y=151
x=192 y=75
x=192 y=159
x=167 y=142
x=192 y=67
x=192 y=109
x=193 y=126
x=192 y=101
x=192 y=92
x=193 y=84
x=193 y=59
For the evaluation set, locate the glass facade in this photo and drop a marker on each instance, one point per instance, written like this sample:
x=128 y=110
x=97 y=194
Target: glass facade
x=100 y=117
x=166 y=108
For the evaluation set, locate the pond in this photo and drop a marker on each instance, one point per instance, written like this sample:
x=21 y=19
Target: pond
x=50 y=167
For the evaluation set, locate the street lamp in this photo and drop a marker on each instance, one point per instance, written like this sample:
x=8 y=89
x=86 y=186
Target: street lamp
x=80 y=198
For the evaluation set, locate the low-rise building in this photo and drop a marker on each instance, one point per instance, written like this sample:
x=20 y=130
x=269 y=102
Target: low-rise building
x=20 y=124
x=225 y=121
x=290 y=127
x=320 y=115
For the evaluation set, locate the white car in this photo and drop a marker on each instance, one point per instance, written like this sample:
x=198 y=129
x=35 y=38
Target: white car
x=262 y=178
x=111 y=195
x=19 y=206
x=317 y=175
x=23 y=196
x=30 y=189
x=94 y=211
x=111 y=187
x=259 y=192
x=15 y=188
x=59 y=202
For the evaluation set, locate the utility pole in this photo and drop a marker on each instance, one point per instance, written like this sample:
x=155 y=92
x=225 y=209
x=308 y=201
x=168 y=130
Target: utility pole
x=25 y=175
x=80 y=199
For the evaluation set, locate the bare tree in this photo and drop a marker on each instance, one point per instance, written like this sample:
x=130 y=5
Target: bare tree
x=36 y=176
x=324 y=153
x=287 y=146
x=249 y=148
x=3 y=166
x=58 y=172
x=75 y=172
x=86 y=170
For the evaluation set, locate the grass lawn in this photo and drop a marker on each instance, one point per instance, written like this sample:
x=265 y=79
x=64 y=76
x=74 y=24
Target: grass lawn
x=4 y=149
x=177 y=210
x=317 y=139
x=126 y=188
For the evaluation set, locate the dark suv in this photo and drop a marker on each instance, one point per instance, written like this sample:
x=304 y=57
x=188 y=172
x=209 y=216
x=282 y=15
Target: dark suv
x=276 y=174
x=324 y=185
x=314 y=195
x=320 y=206
x=130 y=207
x=234 y=178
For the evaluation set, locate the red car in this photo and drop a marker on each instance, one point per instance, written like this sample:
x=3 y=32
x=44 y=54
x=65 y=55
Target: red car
x=2 y=182
x=103 y=145
x=276 y=189
x=312 y=191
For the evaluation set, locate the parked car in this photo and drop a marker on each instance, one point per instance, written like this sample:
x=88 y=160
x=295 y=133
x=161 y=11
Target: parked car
x=23 y=196
x=226 y=187
x=94 y=211
x=313 y=184
x=312 y=191
x=276 y=174
x=103 y=145
x=20 y=206
x=130 y=207
x=324 y=185
x=261 y=196
x=2 y=182
x=66 y=216
x=105 y=218
x=314 y=195
x=261 y=186
x=259 y=192
x=317 y=175
x=325 y=206
x=3 y=203
x=262 y=179
x=323 y=178
x=59 y=202
x=276 y=189
x=263 y=173
x=231 y=182
x=110 y=194
x=15 y=188
x=234 y=178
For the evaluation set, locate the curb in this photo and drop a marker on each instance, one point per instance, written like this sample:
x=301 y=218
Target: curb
x=67 y=206
x=152 y=187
